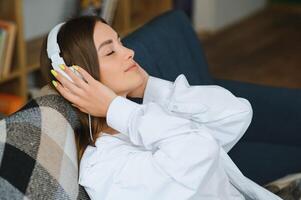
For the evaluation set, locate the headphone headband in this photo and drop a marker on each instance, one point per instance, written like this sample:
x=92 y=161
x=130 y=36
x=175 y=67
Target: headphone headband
x=53 y=52
x=52 y=45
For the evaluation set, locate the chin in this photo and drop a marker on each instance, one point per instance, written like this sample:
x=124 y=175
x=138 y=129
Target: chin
x=133 y=83
x=136 y=82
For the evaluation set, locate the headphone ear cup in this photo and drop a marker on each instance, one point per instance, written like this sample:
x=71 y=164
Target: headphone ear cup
x=76 y=73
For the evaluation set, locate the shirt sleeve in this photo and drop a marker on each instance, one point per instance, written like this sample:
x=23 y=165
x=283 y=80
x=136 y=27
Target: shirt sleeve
x=226 y=115
x=176 y=156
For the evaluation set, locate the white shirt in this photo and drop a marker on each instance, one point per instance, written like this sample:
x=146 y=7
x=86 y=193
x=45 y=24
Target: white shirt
x=172 y=147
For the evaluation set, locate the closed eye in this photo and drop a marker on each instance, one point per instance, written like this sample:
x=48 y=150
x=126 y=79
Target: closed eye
x=119 y=40
x=110 y=53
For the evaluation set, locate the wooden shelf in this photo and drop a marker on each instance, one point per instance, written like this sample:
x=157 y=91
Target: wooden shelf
x=13 y=11
x=33 y=61
x=26 y=54
x=33 y=48
x=12 y=75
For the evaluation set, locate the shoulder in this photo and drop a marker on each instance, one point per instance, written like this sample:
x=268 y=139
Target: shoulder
x=100 y=163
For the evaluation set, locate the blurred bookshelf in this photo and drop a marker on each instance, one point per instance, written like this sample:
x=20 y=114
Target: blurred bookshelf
x=15 y=82
x=33 y=48
x=132 y=14
x=129 y=15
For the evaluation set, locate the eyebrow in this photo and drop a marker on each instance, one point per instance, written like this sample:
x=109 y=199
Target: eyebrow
x=107 y=42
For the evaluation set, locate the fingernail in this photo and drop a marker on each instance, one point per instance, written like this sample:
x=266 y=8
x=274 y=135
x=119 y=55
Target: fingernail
x=54 y=83
x=54 y=73
x=62 y=66
x=75 y=67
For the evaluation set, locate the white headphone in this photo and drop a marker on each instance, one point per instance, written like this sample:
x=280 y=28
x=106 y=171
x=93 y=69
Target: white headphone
x=53 y=52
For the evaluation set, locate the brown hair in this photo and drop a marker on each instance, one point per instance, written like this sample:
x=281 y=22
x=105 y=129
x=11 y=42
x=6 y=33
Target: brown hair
x=75 y=40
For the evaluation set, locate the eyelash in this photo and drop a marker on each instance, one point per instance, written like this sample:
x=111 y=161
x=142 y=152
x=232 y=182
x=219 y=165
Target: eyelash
x=110 y=53
x=113 y=51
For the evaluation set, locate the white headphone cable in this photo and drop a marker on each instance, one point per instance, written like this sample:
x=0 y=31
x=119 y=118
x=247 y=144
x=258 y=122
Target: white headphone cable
x=90 y=128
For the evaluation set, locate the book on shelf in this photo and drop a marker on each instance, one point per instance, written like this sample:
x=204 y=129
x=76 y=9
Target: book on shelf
x=10 y=103
x=8 y=35
x=3 y=35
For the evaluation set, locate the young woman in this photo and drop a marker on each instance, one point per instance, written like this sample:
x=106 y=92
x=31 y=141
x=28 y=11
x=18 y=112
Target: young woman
x=173 y=146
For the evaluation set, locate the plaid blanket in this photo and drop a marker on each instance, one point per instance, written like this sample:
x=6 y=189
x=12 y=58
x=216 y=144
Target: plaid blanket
x=38 y=158
x=288 y=187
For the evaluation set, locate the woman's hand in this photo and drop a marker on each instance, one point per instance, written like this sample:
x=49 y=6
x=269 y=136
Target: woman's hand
x=90 y=97
x=139 y=92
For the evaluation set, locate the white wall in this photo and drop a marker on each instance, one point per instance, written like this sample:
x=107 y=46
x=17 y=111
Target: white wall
x=41 y=15
x=212 y=15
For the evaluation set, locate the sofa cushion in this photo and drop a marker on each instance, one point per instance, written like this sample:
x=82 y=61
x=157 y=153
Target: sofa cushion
x=38 y=157
x=265 y=162
x=168 y=46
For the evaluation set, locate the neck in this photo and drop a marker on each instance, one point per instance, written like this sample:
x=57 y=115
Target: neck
x=109 y=130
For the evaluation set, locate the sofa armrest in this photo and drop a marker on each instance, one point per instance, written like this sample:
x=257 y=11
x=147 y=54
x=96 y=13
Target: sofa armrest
x=276 y=112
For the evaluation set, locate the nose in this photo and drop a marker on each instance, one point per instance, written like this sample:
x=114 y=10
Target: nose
x=129 y=53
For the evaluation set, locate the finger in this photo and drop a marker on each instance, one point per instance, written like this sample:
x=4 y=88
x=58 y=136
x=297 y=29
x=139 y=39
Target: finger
x=66 y=83
x=78 y=81
x=66 y=93
x=84 y=74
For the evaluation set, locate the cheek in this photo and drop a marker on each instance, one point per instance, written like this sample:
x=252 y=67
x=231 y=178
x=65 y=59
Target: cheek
x=111 y=75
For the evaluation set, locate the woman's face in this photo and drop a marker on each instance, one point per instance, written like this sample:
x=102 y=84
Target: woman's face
x=115 y=61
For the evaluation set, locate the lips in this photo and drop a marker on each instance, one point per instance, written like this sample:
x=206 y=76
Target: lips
x=131 y=67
